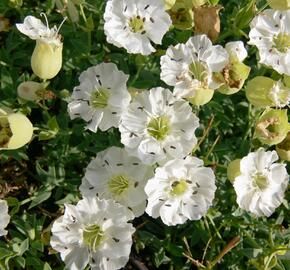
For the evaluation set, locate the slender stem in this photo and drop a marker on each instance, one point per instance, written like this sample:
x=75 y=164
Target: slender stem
x=233 y=243
x=213 y=146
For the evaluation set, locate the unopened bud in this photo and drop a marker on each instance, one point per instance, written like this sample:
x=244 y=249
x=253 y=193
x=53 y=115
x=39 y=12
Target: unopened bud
x=283 y=148
x=279 y=4
x=46 y=59
x=233 y=169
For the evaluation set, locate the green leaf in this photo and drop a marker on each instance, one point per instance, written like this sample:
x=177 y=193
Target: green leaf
x=40 y=196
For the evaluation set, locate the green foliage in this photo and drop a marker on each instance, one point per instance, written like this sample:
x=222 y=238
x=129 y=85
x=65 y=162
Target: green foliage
x=39 y=178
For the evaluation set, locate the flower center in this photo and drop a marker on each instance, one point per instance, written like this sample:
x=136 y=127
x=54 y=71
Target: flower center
x=136 y=24
x=92 y=236
x=159 y=127
x=260 y=181
x=118 y=184
x=5 y=132
x=268 y=127
x=282 y=42
x=198 y=71
x=178 y=187
x=99 y=98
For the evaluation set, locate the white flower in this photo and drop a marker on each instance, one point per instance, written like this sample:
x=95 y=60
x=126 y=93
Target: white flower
x=157 y=126
x=36 y=30
x=270 y=32
x=4 y=217
x=94 y=232
x=279 y=94
x=261 y=185
x=189 y=66
x=101 y=97
x=180 y=190
x=135 y=24
x=113 y=174
x=237 y=50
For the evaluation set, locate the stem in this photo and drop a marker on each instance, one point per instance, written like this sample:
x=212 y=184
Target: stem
x=233 y=243
x=213 y=146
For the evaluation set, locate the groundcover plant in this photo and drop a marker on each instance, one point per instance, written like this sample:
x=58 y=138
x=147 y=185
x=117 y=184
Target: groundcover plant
x=144 y=134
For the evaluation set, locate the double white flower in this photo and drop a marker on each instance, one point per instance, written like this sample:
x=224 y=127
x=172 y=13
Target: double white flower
x=157 y=126
x=181 y=190
x=4 y=217
x=190 y=66
x=261 y=183
x=133 y=24
x=101 y=97
x=270 y=33
x=94 y=232
x=113 y=174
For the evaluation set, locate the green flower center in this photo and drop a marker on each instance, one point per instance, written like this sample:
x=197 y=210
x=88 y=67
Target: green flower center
x=99 y=98
x=136 y=24
x=260 y=181
x=118 y=184
x=282 y=42
x=92 y=236
x=198 y=71
x=5 y=132
x=178 y=187
x=159 y=127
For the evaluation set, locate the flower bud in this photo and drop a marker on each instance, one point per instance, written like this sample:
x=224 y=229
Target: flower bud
x=264 y=92
x=46 y=59
x=30 y=90
x=272 y=126
x=283 y=148
x=169 y=4
x=279 y=4
x=233 y=169
x=202 y=96
x=207 y=21
x=15 y=131
x=182 y=15
x=4 y=24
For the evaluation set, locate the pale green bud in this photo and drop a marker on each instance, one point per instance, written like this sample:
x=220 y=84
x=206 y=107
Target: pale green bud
x=46 y=59
x=272 y=126
x=283 y=148
x=198 y=3
x=233 y=169
x=201 y=97
x=182 y=15
x=264 y=92
x=169 y=4
x=30 y=90
x=279 y=4
x=15 y=131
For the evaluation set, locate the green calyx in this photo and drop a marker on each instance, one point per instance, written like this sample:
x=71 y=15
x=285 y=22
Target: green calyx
x=159 y=127
x=178 y=187
x=136 y=24
x=5 y=132
x=118 y=184
x=257 y=91
x=93 y=236
x=260 y=181
x=99 y=98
